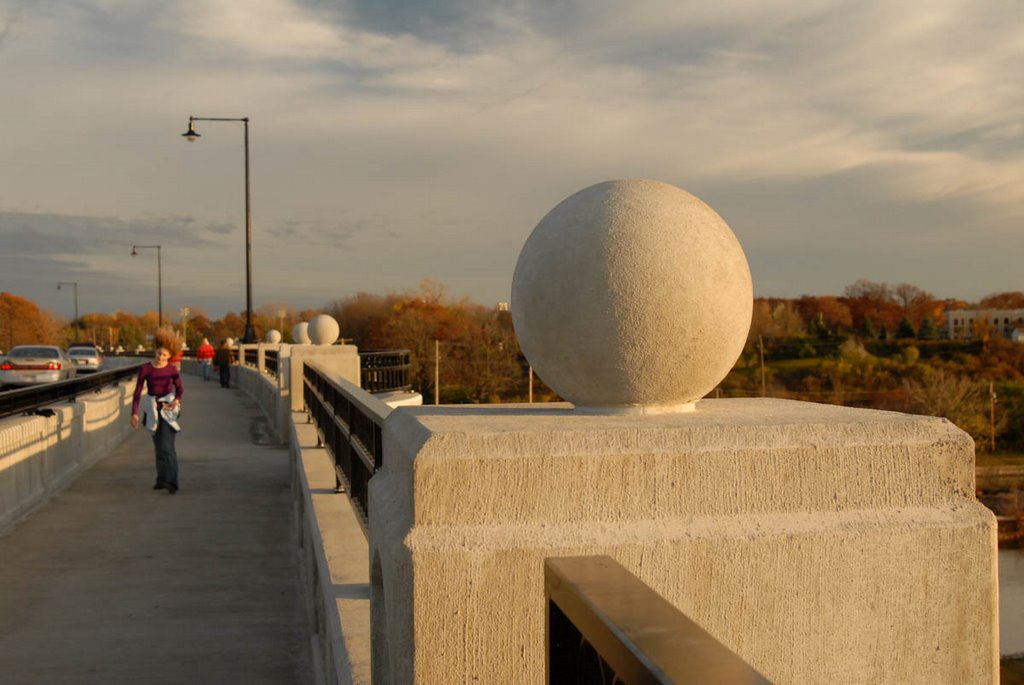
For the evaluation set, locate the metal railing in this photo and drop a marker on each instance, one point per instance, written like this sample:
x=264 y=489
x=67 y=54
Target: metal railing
x=270 y=359
x=349 y=424
x=251 y=357
x=604 y=625
x=385 y=370
x=28 y=400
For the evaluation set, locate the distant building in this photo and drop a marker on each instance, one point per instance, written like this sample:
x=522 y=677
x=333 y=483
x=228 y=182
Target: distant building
x=964 y=324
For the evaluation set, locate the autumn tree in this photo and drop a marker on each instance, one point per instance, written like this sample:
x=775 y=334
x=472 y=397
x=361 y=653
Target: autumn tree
x=1007 y=300
x=23 y=323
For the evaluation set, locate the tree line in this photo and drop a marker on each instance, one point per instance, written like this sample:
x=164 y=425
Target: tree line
x=876 y=345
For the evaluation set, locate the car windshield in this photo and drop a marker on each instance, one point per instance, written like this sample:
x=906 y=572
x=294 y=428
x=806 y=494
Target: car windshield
x=47 y=352
x=82 y=352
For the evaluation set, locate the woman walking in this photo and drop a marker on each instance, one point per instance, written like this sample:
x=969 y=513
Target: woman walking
x=160 y=408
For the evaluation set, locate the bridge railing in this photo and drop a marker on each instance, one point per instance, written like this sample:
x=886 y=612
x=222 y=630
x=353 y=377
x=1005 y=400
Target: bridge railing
x=28 y=400
x=270 y=361
x=385 y=370
x=349 y=424
x=605 y=625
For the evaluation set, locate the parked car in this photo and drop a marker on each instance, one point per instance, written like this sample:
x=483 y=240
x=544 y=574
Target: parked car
x=32 y=364
x=86 y=357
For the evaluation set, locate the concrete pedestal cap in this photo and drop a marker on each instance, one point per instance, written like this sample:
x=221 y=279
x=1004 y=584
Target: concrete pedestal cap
x=273 y=336
x=300 y=333
x=632 y=296
x=323 y=330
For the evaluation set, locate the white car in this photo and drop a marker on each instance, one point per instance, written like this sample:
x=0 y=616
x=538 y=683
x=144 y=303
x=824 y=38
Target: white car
x=86 y=358
x=34 y=364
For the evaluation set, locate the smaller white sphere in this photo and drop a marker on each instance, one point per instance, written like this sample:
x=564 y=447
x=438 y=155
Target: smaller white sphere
x=230 y=342
x=300 y=333
x=273 y=336
x=323 y=330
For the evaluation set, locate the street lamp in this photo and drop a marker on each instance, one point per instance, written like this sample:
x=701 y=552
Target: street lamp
x=75 y=284
x=159 y=280
x=190 y=135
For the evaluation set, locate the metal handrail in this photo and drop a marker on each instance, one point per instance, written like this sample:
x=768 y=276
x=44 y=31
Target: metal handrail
x=28 y=400
x=270 y=361
x=349 y=424
x=385 y=370
x=605 y=625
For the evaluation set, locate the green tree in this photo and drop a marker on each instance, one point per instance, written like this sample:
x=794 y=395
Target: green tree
x=905 y=330
x=928 y=330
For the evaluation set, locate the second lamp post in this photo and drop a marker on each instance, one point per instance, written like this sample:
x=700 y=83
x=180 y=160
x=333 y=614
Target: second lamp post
x=159 y=281
x=250 y=333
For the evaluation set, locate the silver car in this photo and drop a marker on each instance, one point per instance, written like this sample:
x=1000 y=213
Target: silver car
x=86 y=358
x=32 y=364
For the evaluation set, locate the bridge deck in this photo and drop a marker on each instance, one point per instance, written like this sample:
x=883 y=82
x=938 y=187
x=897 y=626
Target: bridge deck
x=113 y=582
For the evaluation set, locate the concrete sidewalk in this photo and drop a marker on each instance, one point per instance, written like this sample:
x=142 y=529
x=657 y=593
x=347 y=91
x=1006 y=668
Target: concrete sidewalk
x=113 y=582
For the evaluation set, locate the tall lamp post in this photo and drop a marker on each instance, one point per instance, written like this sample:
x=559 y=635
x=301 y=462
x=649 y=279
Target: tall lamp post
x=75 y=284
x=159 y=280
x=250 y=333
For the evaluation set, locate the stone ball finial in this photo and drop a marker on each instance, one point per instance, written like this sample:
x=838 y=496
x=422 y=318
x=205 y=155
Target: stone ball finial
x=323 y=330
x=300 y=333
x=273 y=336
x=632 y=296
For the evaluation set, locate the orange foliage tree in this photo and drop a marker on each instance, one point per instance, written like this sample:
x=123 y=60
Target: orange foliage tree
x=23 y=323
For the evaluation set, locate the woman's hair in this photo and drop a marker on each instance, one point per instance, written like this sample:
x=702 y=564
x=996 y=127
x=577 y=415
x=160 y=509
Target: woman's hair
x=166 y=338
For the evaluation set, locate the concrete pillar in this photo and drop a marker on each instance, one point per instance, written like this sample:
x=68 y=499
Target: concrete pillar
x=822 y=544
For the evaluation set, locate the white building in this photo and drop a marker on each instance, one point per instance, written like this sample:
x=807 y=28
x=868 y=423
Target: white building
x=963 y=324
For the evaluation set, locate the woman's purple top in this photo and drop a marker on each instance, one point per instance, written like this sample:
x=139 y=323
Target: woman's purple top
x=158 y=382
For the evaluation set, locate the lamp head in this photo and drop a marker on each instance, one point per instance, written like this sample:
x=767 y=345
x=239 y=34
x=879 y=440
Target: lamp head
x=190 y=135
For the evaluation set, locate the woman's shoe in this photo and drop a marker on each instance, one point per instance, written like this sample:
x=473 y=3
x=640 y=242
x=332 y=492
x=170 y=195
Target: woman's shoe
x=159 y=485
x=171 y=489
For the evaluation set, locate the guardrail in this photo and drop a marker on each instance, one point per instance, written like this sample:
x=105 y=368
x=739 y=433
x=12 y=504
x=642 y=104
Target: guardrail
x=349 y=424
x=604 y=625
x=27 y=400
x=270 y=361
x=385 y=370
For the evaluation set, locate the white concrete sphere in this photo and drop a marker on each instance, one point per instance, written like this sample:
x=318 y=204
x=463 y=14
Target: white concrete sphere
x=323 y=330
x=632 y=296
x=300 y=333
x=273 y=336
x=230 y=342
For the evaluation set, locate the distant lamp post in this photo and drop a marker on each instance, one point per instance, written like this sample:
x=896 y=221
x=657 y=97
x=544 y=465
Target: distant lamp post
x=190 y=135
x=75 y=284
x=159 y=280
x=184 y=311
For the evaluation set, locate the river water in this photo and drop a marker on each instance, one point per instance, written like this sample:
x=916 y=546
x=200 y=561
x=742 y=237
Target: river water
x=1011 y=601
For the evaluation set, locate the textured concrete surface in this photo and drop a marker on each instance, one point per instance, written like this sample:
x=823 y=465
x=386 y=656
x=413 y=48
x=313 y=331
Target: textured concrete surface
x=632 y=295
x=822 y=544
x=112 y=582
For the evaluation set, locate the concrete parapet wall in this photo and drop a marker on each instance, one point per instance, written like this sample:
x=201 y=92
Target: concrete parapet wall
x=265 y=391
x=334 y=561
x=821 y=544
x=333 y=551
x=39 y=455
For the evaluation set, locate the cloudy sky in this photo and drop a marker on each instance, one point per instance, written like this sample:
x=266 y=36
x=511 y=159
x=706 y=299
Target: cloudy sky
x=394 y=140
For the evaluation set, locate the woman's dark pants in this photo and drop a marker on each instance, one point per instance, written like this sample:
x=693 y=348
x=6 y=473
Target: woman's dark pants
x=166 y=458
x=225 y=375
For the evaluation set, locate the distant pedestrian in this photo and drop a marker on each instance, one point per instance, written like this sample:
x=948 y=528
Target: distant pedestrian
x=205 y=356
x=223 y=358
x=161 y=407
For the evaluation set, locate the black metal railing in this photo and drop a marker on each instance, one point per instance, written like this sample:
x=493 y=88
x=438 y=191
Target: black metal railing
x=604 y=625
x=251 y=357
x=28 y=400
x=385 y=370
x=270 y=361
x=350 y=428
